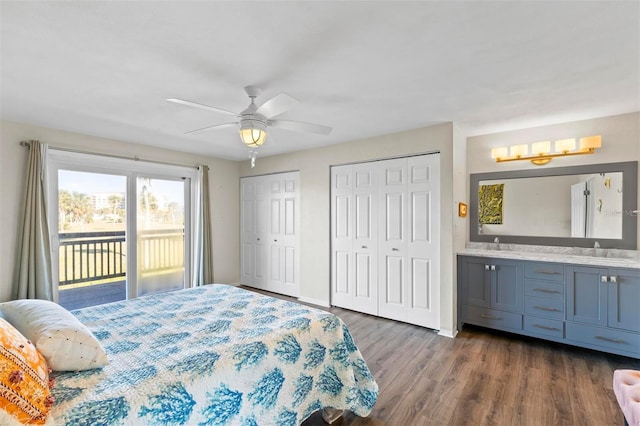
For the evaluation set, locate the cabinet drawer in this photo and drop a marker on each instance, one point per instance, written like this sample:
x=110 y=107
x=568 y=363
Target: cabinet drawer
x=544 y=326
x=550 y=308
x=605 y=338
x=493 y=318
x=548 y=289
x=544 y=271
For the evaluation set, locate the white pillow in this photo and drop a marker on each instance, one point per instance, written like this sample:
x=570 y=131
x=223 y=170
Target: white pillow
x=66 y=343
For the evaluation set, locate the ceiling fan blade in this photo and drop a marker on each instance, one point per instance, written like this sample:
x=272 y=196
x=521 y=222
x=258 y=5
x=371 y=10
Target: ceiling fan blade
x=297 y=126
x=201 y=106
x=277 y=105
x=215 y=126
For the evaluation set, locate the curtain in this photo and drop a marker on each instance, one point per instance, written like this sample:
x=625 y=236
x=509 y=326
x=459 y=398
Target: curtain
x=33 y=277
x=202 y=252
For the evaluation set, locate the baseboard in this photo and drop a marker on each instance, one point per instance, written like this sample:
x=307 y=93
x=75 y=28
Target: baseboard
x=448 y=333
x=314 y=302
x=235 y=284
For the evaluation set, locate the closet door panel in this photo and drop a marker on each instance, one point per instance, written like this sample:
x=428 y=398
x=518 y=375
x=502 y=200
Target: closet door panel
x=341 y=277
x=394 y=281
x=290 y=274
x=365 y=239
x=342 y=230
x=392 y=301
x=247 y=264
x=423 y=245
x=394 y=212
x=283 y=266
x=420 y=294
x=289 y=217
x=363 y=275
x=275 y=263
x=253 y=228
x=275 y=216
x=342 y=207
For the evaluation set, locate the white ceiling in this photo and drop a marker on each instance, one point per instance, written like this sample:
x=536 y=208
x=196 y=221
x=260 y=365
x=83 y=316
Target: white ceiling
x=363 y=68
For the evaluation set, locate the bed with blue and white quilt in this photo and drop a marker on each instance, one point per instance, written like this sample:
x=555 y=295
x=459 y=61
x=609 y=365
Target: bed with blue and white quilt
x=214 y=355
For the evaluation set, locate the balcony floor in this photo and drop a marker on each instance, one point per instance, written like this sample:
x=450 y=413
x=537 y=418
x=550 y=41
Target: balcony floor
x=81 y=297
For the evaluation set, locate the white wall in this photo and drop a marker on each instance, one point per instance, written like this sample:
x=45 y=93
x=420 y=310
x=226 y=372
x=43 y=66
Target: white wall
x=314 y=166
x=223 y=180
x=620 y=142
x=460 y=224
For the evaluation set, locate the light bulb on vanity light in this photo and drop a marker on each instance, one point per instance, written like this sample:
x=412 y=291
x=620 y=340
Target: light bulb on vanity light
x=501 y=152
x=565 y=145
x=541 y=148
x=519 y=150
x=591 y=142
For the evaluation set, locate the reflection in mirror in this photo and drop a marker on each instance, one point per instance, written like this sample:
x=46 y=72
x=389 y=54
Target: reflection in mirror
x=576 y=206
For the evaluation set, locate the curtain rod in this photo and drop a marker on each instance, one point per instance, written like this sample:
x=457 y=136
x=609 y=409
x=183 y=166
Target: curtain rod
x=27 y=144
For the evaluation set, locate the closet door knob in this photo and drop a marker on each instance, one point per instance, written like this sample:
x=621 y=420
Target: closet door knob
x=394 y=249
x=613 y=278
x=364 y=247
x=493 y=267
x=486 y=267
x=604 y=278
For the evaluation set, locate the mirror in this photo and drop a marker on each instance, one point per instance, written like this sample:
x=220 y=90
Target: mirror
x=565 y=206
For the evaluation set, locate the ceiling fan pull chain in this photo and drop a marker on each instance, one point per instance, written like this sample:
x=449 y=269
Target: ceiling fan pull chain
x=252 y=155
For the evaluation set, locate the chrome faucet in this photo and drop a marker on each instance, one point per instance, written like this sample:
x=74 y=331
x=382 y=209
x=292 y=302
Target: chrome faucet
x=597 y=252
x=496 y=240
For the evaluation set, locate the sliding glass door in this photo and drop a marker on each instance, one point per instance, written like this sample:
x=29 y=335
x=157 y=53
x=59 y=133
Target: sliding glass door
x=92 y=247
x=160 y=234
x=123 y=229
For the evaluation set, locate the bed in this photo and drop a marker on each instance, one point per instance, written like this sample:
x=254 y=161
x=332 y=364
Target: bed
x=214 y=355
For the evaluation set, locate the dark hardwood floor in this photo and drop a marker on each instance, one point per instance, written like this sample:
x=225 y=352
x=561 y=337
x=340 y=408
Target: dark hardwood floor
x=481 y=377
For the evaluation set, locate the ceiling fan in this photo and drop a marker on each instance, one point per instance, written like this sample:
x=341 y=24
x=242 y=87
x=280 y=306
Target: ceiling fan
x=254 y=120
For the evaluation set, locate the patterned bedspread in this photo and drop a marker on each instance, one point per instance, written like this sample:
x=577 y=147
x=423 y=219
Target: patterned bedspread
x=214 y=355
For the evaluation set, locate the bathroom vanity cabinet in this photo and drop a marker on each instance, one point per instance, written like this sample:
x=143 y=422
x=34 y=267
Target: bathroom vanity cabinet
x=589 y=306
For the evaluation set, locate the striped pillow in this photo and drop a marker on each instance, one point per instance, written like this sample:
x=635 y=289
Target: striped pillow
x=24 y=378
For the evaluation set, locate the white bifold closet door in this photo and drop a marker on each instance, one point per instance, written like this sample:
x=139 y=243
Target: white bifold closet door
x=386 y=238
x=355 y=238
x=269 y=233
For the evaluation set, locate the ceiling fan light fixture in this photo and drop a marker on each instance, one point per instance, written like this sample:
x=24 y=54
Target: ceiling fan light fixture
x=253 y=133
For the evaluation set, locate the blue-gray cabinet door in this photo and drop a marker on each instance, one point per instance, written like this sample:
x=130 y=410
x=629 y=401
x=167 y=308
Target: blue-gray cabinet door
x=624 y=299
x=475 y=281
x=506 y=284
x=587 y=295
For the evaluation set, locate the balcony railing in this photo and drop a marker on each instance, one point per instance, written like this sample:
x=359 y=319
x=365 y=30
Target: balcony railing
x=98 y=256
x=91 y=256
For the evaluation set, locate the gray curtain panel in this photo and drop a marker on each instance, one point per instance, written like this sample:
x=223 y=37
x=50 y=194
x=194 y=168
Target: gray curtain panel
x=33 y=277
x=202 y=250
x=207 y=251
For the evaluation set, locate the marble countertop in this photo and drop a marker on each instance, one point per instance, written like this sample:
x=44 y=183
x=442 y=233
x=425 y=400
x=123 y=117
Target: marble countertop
x=575 y=255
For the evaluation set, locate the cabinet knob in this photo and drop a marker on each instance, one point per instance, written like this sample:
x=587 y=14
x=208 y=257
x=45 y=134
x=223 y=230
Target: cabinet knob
x=394 y=249
x=604 y=278
x=258 y=239
x=493 y=267
x=364 y=247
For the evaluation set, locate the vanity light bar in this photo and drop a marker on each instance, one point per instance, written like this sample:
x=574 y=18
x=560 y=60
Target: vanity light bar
x=541 y=151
